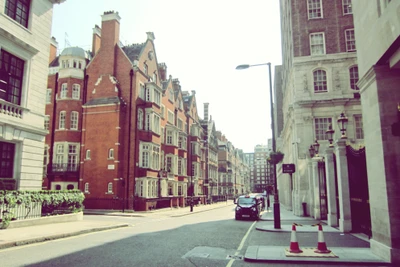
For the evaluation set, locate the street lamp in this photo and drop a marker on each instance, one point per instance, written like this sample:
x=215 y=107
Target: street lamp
x=342 y=122
x=277 y=215
x=330 y=133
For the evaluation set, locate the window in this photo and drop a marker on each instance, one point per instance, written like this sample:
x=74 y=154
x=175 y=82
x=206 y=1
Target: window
x=145 y=69
x=7 y=152
x=314 y=9
x=157 y=97
x=18 y=10
x=111 y=153
x=46 y=122
x=110 y=188
x=48 y=96
x=61 y=124
x=76 y=89
x=87 y=188
x=60 y=155
x=140 y=119
x=320 y=84
x=353 y=71
x=347 y=8
x=64 y=91
x=74 y=120
x=317 y=43
x=58 y=187
x=145 y=155
x=72 y=157
x=321 y=125
x=171 y=95
x=70 y=187
x=155 y=78
x=11 y=77
x=180 y=124
x=150 y=156
x=350 y=40
x=170 y=137
x=142 y=91
x=359 y=127
x=171 y=118
x=162 y=111
x=87 y=153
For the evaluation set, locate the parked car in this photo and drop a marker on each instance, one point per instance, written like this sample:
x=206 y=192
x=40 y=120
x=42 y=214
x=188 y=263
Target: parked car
x=248 y=207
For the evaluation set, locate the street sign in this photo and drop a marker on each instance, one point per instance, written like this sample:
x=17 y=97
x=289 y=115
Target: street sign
x=288 y=168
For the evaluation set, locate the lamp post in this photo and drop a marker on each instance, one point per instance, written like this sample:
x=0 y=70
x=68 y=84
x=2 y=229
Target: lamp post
x=342 y=122
x=277 y=215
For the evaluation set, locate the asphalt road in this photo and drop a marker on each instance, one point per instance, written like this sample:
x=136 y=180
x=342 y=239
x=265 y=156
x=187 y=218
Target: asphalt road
x=212 y=238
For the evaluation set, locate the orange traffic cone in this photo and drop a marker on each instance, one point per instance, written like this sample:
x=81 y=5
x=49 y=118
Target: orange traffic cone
x=294 y=245
x=321 y=248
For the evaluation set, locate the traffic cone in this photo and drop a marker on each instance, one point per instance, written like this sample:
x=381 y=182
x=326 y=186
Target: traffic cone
x=294 y=245
x=321 y=248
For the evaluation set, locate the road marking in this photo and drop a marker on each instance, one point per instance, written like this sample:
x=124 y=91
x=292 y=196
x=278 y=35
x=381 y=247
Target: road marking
x=241 y=244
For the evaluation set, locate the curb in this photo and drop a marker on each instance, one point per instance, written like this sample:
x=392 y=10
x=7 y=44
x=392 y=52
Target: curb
x=59 y=236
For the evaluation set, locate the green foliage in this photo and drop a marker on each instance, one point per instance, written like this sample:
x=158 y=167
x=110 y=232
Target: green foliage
x=53 y=202
x=275 y=157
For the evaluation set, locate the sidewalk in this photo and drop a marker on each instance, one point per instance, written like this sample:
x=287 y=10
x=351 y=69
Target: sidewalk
x=345 y=254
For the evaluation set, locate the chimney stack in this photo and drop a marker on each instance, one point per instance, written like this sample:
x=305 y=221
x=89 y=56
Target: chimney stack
x=53 y=49
x=96 y=40
x=206 y=111
x=110 y=27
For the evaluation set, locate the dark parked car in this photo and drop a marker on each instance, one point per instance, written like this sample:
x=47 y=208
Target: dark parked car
x=248 y=207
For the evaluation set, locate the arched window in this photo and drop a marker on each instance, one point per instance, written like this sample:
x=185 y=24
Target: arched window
x=353 y=71
x=70 y=186
x=58 y=187
x=87 y=153
x=111 y=153
x=140 y=119
x=320 y=83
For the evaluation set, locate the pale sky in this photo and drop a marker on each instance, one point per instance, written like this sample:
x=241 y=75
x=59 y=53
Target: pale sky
x=201 y=42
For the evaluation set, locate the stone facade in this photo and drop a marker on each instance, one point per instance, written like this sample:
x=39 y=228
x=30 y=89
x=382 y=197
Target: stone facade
x=22 y=118
x=378 y=48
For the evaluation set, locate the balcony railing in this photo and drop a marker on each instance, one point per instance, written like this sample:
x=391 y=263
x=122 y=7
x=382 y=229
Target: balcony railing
x=10 y=109
x=64 y=167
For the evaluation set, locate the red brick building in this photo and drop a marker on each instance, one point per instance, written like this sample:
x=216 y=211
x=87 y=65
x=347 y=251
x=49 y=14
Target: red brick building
x=120 y=129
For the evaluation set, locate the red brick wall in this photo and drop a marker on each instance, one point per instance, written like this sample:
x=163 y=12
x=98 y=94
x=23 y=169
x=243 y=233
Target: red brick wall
x=333 y=24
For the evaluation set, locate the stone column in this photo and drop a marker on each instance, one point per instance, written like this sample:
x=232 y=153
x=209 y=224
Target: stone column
x=310 y=188
x=330 y=187
x=343 y=186
x=315 y=185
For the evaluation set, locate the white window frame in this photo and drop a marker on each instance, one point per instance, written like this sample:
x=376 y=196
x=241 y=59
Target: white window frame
x=46 y=122
x=142 y=91
x=149 y=156
x=171 y=95
x=76 y=91
x=358 y=127
x=110 y=188
x=87 y=154
x=111 y=153
x=86 y=188
x=314 y=7
x=64 y=91
x=140 y=119
x=350 y=40
x=318 y=82
x=171 y=117
x=74 y=120
x=353 y=77
x=61 y=122
x=314 y=51
x=320 y=127
x=347 y=7
x=162 y=111
x=48 y=96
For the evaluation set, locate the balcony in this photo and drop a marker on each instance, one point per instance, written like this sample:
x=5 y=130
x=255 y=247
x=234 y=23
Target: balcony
x=10 y=109
x=64 y=167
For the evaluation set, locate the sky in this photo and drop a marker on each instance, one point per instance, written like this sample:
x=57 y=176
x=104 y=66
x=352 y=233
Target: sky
x=201 y=42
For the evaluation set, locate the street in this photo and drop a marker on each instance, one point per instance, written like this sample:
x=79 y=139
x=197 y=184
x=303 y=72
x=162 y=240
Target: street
x=210 y=238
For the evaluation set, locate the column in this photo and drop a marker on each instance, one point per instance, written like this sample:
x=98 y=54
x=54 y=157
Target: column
x=310 y=188
x=315 y=185
x=330 y=187
x=343 y=186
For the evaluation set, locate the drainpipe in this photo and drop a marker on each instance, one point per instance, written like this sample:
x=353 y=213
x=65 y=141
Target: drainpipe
x=83 y=154
x=131 y=74
x=53 y=123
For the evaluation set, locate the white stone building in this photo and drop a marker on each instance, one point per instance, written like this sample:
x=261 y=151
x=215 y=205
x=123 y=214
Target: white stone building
x=25 y=35
x=377 y=27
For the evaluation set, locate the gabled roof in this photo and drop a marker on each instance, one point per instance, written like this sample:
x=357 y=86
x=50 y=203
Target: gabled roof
x=55 y=62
